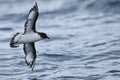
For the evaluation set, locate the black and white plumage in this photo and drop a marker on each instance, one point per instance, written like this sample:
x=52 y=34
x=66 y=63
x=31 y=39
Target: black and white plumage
x=29 y=37
x=30 y=24
x=30 y=54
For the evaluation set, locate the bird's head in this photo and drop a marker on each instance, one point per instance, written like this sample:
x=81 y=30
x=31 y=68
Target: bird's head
x=43 y=35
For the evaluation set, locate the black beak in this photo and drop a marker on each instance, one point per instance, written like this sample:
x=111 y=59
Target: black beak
x=48 y=37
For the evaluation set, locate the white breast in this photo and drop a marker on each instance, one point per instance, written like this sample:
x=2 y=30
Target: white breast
x=29 y=37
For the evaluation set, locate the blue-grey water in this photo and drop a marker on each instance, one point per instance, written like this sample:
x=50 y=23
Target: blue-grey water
x=84 y=40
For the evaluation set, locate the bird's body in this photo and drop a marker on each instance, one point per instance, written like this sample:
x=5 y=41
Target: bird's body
x=29 y=37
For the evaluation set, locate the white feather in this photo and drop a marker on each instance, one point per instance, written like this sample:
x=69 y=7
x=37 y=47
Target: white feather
x=27 y=38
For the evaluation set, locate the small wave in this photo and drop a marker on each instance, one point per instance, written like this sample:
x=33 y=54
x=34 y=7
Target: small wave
x=95 y=45
x=114 y=71
x=60 y=57
x=13 y=17
x=106 y=6
x=6 y=29
x=54 y=55
x=61 y=11
x=68 y=78
x=99 y=44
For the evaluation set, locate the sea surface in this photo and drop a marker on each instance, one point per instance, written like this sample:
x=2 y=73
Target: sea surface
x=84 y=40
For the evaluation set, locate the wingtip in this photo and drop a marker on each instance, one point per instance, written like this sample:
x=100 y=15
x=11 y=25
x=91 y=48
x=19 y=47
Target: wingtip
x=31 y=64
x=35 y=7
x=36 y=4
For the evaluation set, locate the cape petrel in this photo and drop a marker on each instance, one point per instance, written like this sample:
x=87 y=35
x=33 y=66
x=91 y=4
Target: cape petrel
x=29 y=37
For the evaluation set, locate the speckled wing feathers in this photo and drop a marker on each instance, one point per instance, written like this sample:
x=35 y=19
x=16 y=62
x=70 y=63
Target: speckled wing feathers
x=30 y=24
x=30 y=54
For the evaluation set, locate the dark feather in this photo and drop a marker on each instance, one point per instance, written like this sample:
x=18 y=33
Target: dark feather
x=12 y=42
x=30 y=24
x=30 y=52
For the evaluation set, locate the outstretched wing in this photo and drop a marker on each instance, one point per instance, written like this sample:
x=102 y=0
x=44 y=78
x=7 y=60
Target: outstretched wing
x=31 y=19
x=30 y=54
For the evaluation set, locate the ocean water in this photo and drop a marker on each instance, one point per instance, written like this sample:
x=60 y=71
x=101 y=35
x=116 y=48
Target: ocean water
x=84 y=40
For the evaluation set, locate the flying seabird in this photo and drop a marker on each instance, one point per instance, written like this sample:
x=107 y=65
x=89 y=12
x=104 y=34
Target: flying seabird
x=29 y=37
